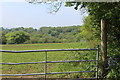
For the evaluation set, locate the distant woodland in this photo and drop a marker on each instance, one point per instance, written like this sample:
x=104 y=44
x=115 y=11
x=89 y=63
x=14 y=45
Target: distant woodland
x=43 y=35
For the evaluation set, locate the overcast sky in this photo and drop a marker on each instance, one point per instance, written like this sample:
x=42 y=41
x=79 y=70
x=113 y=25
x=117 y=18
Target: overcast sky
x=23 y=14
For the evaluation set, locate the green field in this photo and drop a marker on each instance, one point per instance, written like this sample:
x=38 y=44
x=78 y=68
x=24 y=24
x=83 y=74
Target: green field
x=40 y=56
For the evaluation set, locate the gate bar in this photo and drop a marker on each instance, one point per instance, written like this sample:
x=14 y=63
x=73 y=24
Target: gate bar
x=44 y=73
x=48 y=50
x=45 y=66
x=49 y=62
x=97 y=58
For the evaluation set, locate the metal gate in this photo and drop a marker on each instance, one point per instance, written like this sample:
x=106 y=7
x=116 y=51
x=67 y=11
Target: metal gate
x=46 y=61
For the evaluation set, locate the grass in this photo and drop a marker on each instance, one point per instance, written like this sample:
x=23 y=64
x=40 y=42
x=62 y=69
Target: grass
x=43 y=46
x=38 y=56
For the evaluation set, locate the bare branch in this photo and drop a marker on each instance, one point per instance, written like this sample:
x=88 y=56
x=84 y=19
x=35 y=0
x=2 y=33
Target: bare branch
x=54 y=6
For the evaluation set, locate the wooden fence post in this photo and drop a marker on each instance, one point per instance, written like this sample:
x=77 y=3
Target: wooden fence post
x=103 y=48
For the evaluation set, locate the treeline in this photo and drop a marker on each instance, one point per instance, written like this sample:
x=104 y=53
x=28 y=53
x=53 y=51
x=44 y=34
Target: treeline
x=42 y=35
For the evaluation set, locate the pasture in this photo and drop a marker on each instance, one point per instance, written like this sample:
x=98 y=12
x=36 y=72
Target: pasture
x=39 y=56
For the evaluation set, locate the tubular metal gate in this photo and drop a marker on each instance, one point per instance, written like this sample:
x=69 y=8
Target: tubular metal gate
x=45 y=62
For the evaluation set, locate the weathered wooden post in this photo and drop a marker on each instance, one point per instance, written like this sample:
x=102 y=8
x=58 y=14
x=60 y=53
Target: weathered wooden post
x=103 y=47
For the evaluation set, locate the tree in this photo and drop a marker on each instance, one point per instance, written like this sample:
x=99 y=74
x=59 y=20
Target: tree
x=2 y=38
x=109 y=11
x=88 y=32
x=17 y=37
x=54 y=6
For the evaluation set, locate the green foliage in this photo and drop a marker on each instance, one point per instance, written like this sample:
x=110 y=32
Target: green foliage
x=114 y=69
x=47 y=34
x=17 y=37
x=2 y=38
x=79 y=66
x=109 y=12
x=88 y=32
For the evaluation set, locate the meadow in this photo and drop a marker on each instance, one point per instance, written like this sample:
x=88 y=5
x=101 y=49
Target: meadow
x=40 y=56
